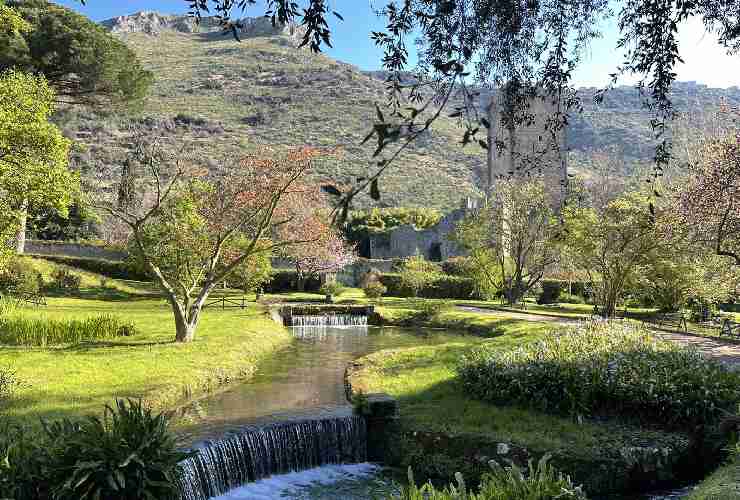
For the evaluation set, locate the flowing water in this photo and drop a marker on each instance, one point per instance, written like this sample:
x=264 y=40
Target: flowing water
x=292 y=417
x=289 y=433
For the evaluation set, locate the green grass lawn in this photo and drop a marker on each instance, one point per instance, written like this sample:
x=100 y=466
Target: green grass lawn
x=69 y=381
x=723 y=484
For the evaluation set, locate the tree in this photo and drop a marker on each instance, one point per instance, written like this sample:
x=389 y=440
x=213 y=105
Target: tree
x=33 y=152
x=510 y=240
x=192 y=228
x=709 y=201
x=684 y=273
x=80 y=59
x=328 y=254
x=612 y=244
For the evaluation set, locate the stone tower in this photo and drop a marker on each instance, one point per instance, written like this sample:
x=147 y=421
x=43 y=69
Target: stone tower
x=529 y=147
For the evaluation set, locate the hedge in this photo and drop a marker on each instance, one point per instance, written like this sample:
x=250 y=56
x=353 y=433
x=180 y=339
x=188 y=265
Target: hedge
x=109 y=268
x=442 y=287
x=551 y=290
x=287 y=281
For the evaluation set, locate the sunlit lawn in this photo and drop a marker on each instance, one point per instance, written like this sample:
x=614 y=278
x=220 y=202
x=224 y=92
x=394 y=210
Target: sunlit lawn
x=77 y=380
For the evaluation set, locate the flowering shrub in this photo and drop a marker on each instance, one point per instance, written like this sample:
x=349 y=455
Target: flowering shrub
x=605 y=369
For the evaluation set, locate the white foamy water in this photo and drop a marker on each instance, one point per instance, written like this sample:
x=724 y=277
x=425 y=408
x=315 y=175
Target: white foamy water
x=290 y=485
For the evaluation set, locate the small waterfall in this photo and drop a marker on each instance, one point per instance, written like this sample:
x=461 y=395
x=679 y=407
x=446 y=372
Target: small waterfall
x=276 y=448
x=330 y=320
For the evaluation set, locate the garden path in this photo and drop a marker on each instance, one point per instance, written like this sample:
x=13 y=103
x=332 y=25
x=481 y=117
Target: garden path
x=519 y=315
x=721 y=351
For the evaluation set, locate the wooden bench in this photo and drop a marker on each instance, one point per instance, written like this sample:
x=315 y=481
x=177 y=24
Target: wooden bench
x=730 y=328
x=676 y=320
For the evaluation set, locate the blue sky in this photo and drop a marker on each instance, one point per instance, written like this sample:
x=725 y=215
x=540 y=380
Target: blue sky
x=705 y=61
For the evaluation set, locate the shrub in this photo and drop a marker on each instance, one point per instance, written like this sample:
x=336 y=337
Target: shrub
x=20 y=278
x=457 y=266
x=8 y=382
x=128 y=454
x=566 y=298
x=374 y=290
x=542 y=482
x=287 y=281
x=605 y=369
x=17 y=329
x=425 y=310
x=64 y=280
x=127 y=270
x=332 y=288
x=550 y=292
x=441 y=287
x=418 y=273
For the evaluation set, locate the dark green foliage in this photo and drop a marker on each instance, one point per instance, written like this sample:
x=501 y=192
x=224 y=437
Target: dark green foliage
x=17 y=329
x=438 y=287
x=287 y=281
x=20 y=278
x=606 y=369
x=47 y=224
x=8 y=382
x=365 y=223
x=64 y=280
x=552 y=290
x=128 y=454
x=109 y=268
x=62 y=43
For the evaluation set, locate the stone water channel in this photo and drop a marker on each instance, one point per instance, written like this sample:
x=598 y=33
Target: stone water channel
x=293 y=416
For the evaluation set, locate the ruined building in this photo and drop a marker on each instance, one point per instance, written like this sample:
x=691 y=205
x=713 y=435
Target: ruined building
x=526 y=146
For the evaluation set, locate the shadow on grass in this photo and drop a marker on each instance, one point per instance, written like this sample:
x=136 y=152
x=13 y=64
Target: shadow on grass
x=103 y=293
x=92 y=346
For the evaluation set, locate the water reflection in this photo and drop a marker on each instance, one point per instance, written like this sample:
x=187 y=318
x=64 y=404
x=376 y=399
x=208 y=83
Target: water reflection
x=305 y=377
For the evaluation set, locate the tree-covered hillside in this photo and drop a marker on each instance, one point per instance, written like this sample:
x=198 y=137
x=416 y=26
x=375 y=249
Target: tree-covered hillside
x=234 y=96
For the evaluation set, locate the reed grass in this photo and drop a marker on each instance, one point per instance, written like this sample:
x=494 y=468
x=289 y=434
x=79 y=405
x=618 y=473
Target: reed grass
x=19 y=329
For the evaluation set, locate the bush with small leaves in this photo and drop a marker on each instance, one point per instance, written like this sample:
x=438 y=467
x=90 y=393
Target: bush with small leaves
x=64 y=280
x=20 y=278
x=374 y=290
x=601 y=368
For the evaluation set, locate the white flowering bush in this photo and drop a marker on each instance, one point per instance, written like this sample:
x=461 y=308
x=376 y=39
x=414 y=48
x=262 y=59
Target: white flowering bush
x=600 y=368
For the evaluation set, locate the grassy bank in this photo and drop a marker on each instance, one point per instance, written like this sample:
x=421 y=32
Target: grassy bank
x=723 y=484
x=75 y=380
x=444 y=431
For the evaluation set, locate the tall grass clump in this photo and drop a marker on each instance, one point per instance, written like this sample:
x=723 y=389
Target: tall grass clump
x=19 y=329
x=605 y=369
x=540 y=482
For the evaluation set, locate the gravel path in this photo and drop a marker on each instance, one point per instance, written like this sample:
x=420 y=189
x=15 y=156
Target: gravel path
x=724 y=352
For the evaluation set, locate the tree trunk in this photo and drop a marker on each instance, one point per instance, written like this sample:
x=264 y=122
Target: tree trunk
x=186 y=319
x=491 y=152
x=20 y=240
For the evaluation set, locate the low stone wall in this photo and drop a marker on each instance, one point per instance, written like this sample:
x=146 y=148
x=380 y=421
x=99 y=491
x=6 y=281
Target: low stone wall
x=71 y=249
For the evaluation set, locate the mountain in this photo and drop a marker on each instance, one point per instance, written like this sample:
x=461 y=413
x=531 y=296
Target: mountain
x=233 y=97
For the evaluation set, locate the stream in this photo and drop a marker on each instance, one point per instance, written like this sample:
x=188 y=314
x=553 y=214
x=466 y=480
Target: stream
x=306 y=380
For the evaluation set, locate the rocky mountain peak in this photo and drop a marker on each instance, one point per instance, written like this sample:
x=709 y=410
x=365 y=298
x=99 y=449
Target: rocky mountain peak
x=153 y=23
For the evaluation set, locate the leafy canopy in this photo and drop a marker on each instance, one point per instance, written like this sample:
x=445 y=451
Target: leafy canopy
x=33 y=152
x=79 y=58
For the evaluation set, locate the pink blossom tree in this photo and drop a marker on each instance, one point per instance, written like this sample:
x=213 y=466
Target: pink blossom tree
x=328 y=254
x=709 y=202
